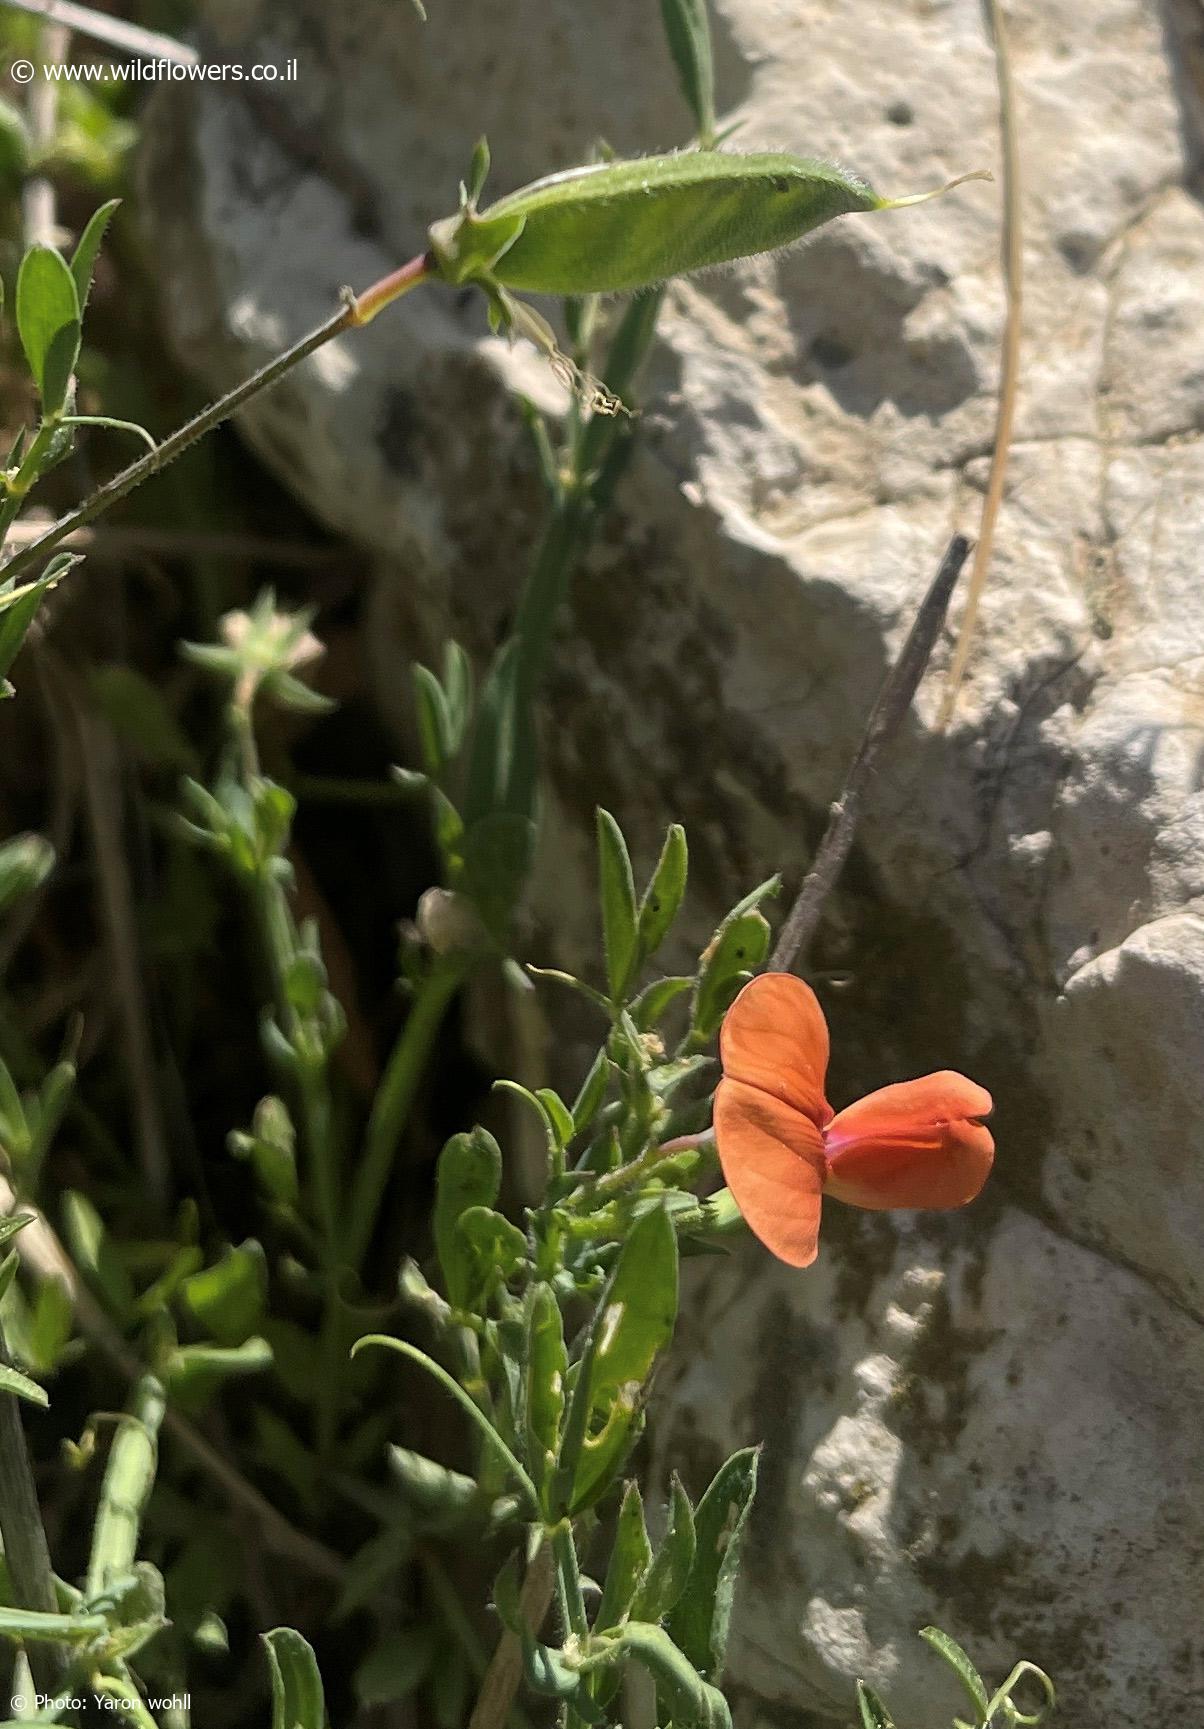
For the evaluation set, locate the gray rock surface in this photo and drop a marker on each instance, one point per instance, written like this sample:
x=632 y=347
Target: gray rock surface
x=990 y=1421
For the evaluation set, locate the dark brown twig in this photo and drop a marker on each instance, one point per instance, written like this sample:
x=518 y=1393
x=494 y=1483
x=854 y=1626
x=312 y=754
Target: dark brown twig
x=894 y=700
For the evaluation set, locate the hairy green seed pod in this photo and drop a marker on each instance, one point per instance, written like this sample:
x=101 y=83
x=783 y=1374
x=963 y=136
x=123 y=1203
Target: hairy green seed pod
x=619 y=226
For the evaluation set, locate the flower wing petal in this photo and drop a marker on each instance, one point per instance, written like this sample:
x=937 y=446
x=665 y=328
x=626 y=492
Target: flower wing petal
x=916 y=1144
x=775 y=1037
x=773 y=1161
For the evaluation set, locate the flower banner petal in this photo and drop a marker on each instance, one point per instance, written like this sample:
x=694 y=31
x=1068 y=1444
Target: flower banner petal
x=775 y=1038
x=773 y=1162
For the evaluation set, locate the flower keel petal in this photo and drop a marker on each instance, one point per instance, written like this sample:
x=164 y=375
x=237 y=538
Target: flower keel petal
x=916 y=1144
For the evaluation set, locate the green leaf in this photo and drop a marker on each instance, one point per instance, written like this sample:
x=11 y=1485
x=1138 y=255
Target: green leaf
x=560 y=1118
x=469 y=1174
x=619 y=916
x=701 y=1620
x=630 y=1558
x=48 y=321
x=12 y=1224
x=18 y=608
x=50 y=1325
x=546 y=1372
x=495 y=861
x=229 y=1298
x=638 y=1309
x=436 y=1497
x=297 y=1698
x=141 y=717
x=737 y=950
x=83 y=259
x=664 y=894
x=588 y=1102
x=195 y=1372
x=490 y=1251
x=434 y=720
x=670 y=1570
x=93 y=1253
x=13 y=1381
x=477 y=171
x=633 y=1321
x=604 y=1454
x=476 y=1416
x=25 y=863
x=397 y=1664
x=874 y=1714
x=688 y=31
x=960 y=1663
x=649 y=1008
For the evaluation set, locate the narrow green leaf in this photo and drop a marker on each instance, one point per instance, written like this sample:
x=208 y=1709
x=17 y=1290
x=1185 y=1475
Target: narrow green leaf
x=230 y=1297
x=469 y=1174
x=604 y=1454
x=495 y=861
x=619 y=915
x=663 y=897
x=48 y=322
x=649 y=1008
x=560 y=1118
x=589 y=1100
x=874 y=1714
x=83 y=259
x=546 y=1371
x=297 y=1698
x=489 y=1251
x=666 y=1578
x=21 y=1387
x=477 y=1417
x=737 y=950
x=630 y=1558
x=434 y=719
x=688 y=31
x=959 y=1661
x=18 y=608
x=436 y=1497
x=638 y=1310
x=12 y=1224
x=93 y=1253
x=398 y=1663
x=25 y=863
x=701 y=1620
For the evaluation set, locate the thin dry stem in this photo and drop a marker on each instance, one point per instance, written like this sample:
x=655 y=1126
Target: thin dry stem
x=886 y=717
x=1009 y=373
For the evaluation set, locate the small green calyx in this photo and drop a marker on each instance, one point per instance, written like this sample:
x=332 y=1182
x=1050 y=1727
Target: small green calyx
x=468 y=248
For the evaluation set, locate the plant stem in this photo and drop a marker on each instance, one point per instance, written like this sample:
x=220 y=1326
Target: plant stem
x=886 y=716
x=395 y=1095
x=355 y=312
x=496 y=1698
x=26 y=1551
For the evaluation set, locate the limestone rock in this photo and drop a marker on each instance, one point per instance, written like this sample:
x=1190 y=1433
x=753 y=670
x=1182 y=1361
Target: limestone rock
x=987 y=1421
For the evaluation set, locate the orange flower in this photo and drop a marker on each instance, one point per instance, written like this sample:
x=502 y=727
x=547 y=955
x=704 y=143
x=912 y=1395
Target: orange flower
x=917 y=1144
